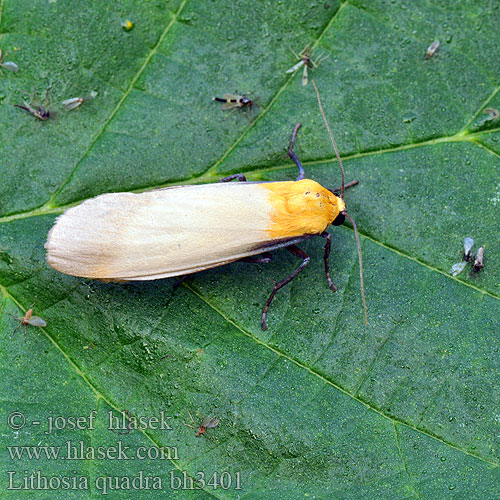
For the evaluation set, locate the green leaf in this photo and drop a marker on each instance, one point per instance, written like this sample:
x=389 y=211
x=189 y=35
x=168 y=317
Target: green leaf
x=319 y=405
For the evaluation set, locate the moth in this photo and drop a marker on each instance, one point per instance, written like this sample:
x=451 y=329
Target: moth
x=180 y=230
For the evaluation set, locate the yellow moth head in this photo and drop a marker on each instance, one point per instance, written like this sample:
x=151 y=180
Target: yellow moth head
x=302 y=207
x=312 y=200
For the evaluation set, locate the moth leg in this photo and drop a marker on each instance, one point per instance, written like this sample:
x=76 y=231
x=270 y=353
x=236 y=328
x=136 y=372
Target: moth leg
x=240 y=177
x=263 y=258
x=181 y=280
x=326 y=257
x=348 y=185
x=293 y=156
x=305 y=260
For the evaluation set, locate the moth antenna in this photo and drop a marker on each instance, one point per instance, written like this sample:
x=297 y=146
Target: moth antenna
x=356 y=234
x=332 y=139
x=358 y=244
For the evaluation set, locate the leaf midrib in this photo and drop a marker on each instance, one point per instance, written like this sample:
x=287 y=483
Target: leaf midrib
x=362 y=234
x=208 y=176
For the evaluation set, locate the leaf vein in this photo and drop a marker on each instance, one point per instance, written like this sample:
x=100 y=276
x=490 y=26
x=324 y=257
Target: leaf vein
x=403 y=461
x=377 y=356
x=120 y=102
x=334 y=385
x=94 y=389
x=341 y=309
x=213 y=168
x=488 y=99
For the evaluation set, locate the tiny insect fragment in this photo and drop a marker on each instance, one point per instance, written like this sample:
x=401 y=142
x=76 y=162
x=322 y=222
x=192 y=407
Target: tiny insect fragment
x=208 y=422
x=72 y=103
x=492 y=113
x=127 y=25
x=29 y=319
x=478 y=261
x=234 y=101
x=123 y=429
x=75 y=102
x=307 y=62
x=39 y=111
x=468 y=244
x=8 y=65
x=433 y=47
x=457 y=268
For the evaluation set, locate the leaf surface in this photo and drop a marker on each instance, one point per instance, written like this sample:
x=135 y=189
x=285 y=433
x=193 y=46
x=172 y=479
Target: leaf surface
x=319 y=405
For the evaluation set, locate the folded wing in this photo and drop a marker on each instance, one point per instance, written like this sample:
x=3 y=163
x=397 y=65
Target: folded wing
x=162 y=233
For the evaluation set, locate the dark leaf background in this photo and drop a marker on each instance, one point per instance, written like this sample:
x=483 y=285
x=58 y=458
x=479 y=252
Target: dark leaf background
x=319 y=405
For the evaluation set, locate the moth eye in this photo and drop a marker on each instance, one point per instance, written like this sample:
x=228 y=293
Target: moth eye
x=317 y=195
x=307 y=192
